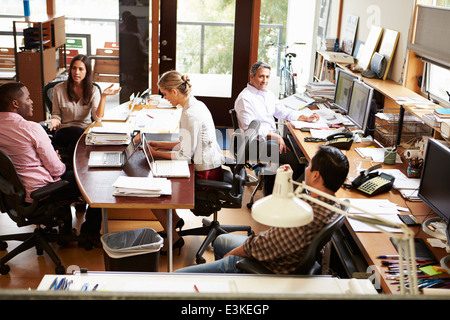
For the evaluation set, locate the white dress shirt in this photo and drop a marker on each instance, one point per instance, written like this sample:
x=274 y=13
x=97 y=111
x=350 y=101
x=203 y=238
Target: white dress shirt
x=198 y=137
x=254 y=104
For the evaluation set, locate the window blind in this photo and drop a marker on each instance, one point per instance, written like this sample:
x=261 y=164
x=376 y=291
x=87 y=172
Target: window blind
x=431 y=40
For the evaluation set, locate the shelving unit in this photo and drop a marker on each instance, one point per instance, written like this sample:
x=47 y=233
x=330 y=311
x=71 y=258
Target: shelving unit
x=37 y=66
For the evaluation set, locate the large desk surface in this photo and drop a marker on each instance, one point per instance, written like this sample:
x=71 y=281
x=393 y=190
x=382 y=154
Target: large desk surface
x=373 y=244
x=96 y=184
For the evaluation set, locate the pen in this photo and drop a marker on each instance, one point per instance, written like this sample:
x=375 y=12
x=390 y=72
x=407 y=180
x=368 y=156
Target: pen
x=60 y=284
x=150 y=116
x=53 y=285
x=95 y=287
x=196 y=289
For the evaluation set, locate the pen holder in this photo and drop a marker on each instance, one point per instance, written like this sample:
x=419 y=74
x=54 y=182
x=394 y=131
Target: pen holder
x=412 y=172
x=390 y=155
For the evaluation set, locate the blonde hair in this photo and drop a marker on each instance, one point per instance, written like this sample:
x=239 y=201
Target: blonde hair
x=175 y=80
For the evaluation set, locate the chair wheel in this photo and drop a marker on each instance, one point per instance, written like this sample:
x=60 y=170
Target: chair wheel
x=39 y=251
x=200 y=260
x=4 y=269
x=60 y=270
x=3 y=245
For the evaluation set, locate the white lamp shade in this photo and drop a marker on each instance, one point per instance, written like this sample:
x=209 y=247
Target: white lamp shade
x=282 y=209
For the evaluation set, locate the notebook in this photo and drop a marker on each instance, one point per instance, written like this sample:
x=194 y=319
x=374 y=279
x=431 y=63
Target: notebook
x=165 y=168
x=115 y=159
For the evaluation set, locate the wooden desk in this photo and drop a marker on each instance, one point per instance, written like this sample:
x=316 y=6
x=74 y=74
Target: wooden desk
x=372 y=244
x=96 y=186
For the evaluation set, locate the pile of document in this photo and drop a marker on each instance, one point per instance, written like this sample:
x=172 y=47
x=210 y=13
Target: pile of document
x=383 y=208
x=110 y=134
x=328 y=44
x=324 y=89
x=142 y=186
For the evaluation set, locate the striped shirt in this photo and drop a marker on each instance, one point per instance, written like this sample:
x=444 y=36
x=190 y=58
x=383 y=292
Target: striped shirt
x=281 y=249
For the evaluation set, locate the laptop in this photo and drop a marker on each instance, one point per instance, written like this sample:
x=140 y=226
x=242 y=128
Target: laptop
x=121 y=115
x=165 y=168
x=113 y=159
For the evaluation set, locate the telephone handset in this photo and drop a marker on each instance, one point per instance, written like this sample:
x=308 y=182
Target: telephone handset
x=341 y=140
x=373 y=183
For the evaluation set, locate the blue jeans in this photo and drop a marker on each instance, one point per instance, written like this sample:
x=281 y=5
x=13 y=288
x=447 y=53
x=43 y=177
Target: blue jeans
x=222 y=245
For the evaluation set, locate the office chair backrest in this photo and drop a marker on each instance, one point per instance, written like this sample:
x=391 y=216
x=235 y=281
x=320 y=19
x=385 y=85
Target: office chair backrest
x=47 y=92
x=12 y=190
x=234 y=119
x=313 y=253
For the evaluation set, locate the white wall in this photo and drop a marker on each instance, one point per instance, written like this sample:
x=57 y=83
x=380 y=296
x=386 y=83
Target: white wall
x=391 y=14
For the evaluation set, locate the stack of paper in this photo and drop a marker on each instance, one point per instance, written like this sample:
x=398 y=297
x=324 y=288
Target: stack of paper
x=142 y=186
x=324 y=89
x=381 y=207
x=109 y=134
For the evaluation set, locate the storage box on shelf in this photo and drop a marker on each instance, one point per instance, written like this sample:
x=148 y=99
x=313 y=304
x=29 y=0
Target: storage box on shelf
x=38 y=63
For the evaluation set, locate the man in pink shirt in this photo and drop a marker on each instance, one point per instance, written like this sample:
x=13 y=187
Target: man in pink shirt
x=31 y=151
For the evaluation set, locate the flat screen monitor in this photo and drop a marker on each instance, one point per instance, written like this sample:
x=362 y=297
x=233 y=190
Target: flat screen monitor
x=434 y=188
x=360 y=102
x=344 y=84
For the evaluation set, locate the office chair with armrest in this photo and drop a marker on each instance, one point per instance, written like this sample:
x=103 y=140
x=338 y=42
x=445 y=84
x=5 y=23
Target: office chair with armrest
x=43 y=211
x=256 y=167
x=310 y=264
x=222 y=194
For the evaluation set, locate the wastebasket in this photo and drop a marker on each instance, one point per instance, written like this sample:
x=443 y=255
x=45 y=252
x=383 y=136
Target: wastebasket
x=132 y=250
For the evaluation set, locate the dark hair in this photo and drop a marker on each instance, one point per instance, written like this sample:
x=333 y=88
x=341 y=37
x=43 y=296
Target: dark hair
x=8 y=92
x=258 y=65
x=332 y=165
x=87 y=81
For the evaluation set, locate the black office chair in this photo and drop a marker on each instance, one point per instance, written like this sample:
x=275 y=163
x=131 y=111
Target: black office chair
x=311 y=262
x=256 y=167
x=223 y=194
x=43 y=211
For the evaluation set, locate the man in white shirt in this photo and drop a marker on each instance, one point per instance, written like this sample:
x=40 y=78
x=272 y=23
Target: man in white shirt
x=256 y=102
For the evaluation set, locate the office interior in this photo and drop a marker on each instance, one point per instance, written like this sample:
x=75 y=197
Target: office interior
x=305 y=28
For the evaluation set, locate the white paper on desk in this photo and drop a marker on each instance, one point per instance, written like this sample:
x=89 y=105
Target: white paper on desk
x=376 y=206
x=297 y=101
x=413 y=100
x=376 y=154
x=323 y=134
x=321 y=124
x=156 y=120
x=401 y=181
x=359 y=226
x=141 y=186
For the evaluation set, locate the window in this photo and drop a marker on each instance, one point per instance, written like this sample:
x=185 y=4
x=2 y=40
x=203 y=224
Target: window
x=437 y=83
x=437 y=78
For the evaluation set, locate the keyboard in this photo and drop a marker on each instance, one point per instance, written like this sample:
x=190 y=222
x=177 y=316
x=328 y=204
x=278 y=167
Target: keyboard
x=112 y=157
x=172 y=168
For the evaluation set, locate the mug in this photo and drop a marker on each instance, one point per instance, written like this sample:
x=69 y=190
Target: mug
x=390 y=154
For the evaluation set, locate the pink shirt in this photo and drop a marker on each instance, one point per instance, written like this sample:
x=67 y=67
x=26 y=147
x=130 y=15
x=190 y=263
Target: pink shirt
x=31 y=151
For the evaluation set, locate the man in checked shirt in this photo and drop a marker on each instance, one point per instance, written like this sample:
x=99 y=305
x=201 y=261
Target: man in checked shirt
x=281 y=249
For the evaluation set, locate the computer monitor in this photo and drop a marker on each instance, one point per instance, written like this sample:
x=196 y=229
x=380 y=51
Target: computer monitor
x=360 y=104
x=434 y=188
x=343 y=91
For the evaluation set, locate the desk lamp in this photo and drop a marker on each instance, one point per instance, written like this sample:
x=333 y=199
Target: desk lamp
x=286 y=208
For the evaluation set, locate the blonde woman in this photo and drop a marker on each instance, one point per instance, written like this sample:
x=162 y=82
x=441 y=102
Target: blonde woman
x=198 y=142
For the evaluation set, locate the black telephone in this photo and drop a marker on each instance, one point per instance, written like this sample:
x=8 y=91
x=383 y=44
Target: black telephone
x=341 y=140
x=373 y=183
